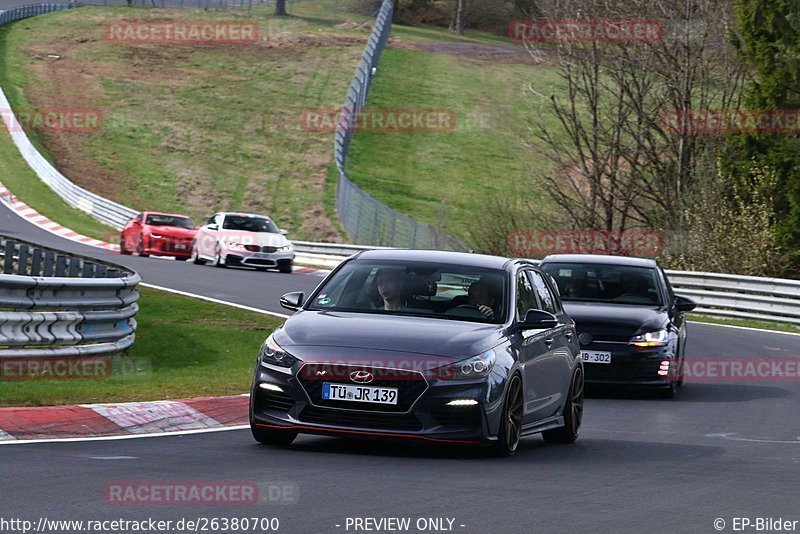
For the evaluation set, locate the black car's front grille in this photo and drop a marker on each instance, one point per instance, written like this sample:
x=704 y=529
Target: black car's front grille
x=273 y=400
x=322 y=416
x=410 y=386
x=623 y=370
x=463 y=416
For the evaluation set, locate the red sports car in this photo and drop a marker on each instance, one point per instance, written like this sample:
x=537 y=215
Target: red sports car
x=159 y=234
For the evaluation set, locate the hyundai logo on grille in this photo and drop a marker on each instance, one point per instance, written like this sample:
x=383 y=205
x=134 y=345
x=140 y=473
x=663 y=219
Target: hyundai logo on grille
x=361 y=377
x=585 y=338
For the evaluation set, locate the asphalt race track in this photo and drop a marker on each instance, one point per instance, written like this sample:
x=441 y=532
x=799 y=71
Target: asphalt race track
x=642 y=464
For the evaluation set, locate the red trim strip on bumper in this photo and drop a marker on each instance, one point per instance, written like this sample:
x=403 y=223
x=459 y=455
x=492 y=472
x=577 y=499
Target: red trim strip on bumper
x=359 y=432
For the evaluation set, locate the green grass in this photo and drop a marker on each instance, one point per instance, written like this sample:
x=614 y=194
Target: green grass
x=196 y=129
x=414 y=172
x=747 y=323
x=185 y=347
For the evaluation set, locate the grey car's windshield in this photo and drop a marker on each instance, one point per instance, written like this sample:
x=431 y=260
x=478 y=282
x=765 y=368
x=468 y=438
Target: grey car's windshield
x=246 y=223
x=618 y=284
x=416 y=289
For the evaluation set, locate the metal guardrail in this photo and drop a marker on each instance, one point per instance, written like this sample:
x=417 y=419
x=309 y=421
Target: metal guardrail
x=365 y=218
x=58 y=304
x=721 y=295
x=102 y=209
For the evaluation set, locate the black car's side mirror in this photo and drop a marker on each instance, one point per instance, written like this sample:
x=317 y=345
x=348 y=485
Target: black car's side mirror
x=536 y=319
x=683 y=304
x=292 y=301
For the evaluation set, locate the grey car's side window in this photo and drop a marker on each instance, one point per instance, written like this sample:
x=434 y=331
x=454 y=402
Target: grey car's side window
x=526 y=299
x=548 y=302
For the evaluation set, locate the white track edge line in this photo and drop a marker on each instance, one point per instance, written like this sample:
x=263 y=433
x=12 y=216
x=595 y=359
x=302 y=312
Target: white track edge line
x=215 y=301
x=125 y=436
x=747 y=328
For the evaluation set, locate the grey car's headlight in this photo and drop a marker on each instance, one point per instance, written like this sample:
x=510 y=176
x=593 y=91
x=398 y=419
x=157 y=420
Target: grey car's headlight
x=273 y=354
x=287 y=248
x=658 y=338
x=476 y=367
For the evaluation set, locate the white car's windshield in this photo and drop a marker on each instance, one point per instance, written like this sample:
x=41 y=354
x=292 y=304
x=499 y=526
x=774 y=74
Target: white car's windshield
x=245 y=223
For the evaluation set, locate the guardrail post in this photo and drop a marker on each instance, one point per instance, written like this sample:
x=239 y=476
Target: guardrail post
x=22 y=259
x=61 y=266
x=36 y=262
x=8 y=263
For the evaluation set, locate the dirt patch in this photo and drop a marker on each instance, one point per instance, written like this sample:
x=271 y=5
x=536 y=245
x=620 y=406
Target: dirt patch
x=479 y=51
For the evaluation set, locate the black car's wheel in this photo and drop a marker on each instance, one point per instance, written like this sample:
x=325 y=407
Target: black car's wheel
x=122 y=250
x=278 y=438
x=140 y=248
x=511 y=424
x=669 y=391
x=573 y=413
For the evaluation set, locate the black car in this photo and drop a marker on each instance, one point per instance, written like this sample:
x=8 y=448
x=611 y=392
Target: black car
x=630 y=323
x=440 y=347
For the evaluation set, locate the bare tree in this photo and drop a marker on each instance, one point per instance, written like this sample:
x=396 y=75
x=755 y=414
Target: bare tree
x=457 y=24
x=614 y=163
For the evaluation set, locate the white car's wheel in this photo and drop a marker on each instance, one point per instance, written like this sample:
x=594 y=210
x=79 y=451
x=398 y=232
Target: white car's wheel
x=195 y=257
x=219 y=259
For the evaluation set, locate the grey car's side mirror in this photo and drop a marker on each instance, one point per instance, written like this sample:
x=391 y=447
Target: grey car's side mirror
x=283 y=232
x=683 y=304
x=536 y=319
x=293 y=301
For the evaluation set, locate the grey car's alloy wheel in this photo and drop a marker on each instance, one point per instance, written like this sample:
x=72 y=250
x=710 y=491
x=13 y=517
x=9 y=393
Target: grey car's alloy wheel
x=573 y=413
x=511 y=424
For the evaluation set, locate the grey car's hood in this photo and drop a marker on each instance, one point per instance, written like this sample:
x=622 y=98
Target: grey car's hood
x=364 y=332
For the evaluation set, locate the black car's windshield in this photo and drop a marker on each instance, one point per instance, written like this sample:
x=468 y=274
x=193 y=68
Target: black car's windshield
x=169 y=220
x=416 y=289
x=616 y=284
x=246 y=223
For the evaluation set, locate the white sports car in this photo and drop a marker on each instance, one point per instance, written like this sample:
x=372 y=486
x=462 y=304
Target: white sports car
x=242 y=239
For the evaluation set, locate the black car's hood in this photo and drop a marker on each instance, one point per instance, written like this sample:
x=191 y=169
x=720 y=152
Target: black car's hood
x=616 y=319
x=388 y=334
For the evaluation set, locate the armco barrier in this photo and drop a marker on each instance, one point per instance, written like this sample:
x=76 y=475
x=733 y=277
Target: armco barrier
x=58 y=304
x=365 y=218
x=106 y=211
x=722 y=295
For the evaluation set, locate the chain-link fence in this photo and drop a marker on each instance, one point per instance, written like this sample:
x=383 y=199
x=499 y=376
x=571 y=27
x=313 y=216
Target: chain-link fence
x=365 y=218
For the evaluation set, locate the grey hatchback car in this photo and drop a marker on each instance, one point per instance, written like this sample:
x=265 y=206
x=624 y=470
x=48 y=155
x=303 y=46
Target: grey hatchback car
x=432 y=346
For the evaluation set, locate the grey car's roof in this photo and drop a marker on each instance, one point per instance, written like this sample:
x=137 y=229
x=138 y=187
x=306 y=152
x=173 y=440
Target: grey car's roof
x=599 y=258
x=437 y=256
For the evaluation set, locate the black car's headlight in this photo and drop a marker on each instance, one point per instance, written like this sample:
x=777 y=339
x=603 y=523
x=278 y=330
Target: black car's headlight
x=658 y=338
x=273 y=354
x=476 y=367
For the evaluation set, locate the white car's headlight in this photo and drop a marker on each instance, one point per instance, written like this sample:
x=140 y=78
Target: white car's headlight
x=658 y=338
x=287 y=248
x=234 y=245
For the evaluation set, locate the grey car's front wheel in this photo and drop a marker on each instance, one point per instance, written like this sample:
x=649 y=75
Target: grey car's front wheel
x=277 y=438
x=573 y=413
x=511 y=425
